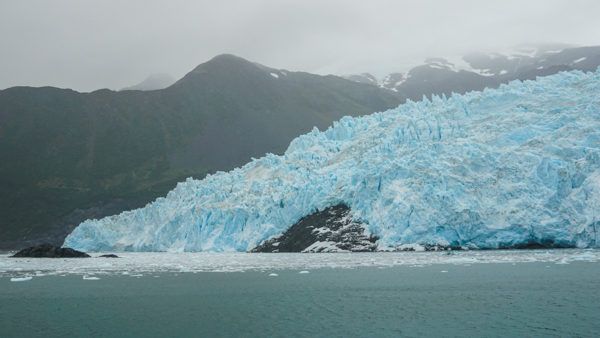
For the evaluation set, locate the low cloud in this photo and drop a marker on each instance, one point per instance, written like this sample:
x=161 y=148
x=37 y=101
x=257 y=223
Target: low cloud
x=88 y=45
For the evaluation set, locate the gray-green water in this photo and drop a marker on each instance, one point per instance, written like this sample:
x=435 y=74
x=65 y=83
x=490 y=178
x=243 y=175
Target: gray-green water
x=525 y=299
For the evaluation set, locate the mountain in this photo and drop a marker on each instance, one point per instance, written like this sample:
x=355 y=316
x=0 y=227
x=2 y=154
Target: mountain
x=67 y=156
x=477 y=71
x=517 y=166
x=153 y=82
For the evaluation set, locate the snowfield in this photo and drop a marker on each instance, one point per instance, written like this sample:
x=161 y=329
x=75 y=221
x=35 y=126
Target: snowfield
x=513 y=166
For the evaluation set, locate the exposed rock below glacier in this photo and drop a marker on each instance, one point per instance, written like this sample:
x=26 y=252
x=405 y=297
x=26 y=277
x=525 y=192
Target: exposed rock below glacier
x=330 y=230
x=512 y=167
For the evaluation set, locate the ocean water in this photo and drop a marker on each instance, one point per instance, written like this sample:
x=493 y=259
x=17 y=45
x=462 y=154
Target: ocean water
x=539 y=293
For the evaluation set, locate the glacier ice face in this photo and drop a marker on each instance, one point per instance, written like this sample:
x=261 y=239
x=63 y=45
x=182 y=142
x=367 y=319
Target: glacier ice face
x=499 y=168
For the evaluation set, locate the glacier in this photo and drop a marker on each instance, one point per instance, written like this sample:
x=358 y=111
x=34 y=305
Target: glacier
x=500 y=168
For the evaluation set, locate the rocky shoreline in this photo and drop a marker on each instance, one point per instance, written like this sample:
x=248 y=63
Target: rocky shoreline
x=49 y=251
x=328 y=231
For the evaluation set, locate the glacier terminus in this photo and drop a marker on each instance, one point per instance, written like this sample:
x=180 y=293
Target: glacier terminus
x=502 y=168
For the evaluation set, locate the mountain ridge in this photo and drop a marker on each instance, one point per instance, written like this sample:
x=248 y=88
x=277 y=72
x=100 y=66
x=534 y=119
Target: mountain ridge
x=152 y=82
x=476 y=71
x=67 y=156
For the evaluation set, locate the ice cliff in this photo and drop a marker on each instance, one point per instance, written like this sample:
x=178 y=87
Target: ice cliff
x=500 y=168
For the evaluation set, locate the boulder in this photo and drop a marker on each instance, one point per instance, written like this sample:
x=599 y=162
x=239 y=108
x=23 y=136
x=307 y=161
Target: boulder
x=50 y=251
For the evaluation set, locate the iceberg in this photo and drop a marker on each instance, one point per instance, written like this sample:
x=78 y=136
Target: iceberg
x=501 y=168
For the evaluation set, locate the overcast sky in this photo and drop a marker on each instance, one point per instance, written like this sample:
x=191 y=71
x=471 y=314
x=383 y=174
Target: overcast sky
x=88 y=45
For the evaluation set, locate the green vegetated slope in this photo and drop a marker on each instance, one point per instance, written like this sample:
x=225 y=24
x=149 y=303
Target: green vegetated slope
x=67 y=156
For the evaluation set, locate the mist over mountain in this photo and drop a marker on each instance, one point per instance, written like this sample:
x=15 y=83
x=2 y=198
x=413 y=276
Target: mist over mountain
x=476 y=71
x=153 y=82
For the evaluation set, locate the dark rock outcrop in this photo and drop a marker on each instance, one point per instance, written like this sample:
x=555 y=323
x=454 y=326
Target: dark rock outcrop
x=50 y=251
x=109 y=256
x=330 y=230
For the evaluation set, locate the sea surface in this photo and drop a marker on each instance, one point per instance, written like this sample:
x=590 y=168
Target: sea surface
x=539 y=293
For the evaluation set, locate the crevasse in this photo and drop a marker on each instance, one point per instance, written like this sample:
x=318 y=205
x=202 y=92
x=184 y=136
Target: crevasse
x=499 y=168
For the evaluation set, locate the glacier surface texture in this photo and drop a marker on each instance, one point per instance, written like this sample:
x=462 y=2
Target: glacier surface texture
x=500 y=168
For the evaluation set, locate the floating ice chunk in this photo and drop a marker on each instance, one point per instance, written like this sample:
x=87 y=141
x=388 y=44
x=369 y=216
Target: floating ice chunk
x=588 y=256
x=273 y=275
x=90 y=278
x=275 y=75
x=21 y=279
x=154 y=263
x=303 y=272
